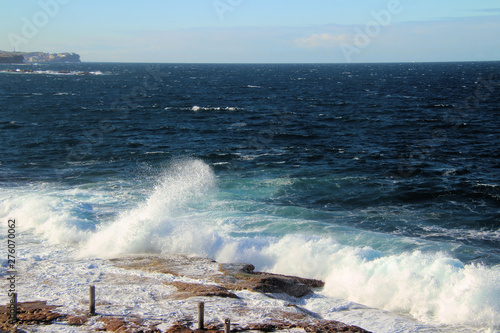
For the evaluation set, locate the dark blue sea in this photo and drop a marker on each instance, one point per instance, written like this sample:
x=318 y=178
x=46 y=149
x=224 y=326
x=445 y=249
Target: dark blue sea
x=380 y=179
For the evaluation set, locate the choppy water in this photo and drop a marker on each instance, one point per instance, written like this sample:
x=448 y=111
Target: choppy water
x=381 y=179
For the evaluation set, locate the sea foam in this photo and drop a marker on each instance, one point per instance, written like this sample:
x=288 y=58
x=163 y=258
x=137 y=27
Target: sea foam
x=431 y=287
x=185 y=212
x=46 y=215
x=148 y=226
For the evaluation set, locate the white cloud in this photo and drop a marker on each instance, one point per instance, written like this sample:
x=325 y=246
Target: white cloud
x=321 y=40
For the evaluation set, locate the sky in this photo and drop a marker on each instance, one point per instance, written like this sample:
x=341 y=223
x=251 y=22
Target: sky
x=255 y=31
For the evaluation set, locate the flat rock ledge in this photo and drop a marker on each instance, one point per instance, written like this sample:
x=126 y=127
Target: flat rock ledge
x=234 y=276
x=323 y=326
x=209 y=279
x=39 y=313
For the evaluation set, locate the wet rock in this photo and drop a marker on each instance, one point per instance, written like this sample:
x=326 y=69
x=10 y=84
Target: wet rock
x=179 y=329
x=112 y=324
x=242 y=276
x=195 y=289
x=126 y=325
x=274 y=284
x=29 y=313
x=76 y=320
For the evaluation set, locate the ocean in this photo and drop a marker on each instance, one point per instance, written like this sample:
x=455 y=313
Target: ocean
x=380 y=179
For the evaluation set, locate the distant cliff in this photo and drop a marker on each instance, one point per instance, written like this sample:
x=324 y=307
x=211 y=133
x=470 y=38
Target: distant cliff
x=11 y=58
x=32 y=57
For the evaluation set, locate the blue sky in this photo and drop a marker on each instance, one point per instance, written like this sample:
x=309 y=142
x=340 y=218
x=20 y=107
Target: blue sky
x=269 y=31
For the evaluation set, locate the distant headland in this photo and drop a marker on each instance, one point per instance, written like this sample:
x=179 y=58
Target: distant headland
x=36 y=57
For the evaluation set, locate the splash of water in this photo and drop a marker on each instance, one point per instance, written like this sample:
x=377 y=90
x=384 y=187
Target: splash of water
x=145 y=227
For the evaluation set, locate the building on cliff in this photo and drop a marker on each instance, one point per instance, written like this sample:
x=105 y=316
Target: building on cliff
x=51 y=57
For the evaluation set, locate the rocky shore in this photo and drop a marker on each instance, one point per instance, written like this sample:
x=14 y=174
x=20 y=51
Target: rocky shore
x=193 y=280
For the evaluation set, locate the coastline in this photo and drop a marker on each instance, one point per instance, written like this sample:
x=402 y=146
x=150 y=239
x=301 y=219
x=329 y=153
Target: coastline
x=8 y=57
x=234 y=289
